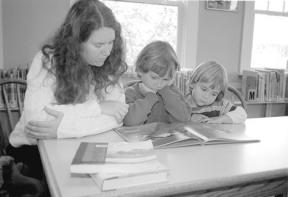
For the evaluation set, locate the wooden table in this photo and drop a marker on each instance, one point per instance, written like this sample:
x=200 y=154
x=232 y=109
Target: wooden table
x=248 y=169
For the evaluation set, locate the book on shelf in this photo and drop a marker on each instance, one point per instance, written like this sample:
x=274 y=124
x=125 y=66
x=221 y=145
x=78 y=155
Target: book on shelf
x=114 y=181
x=249 y=85
x=186 y=134
x=114 y=157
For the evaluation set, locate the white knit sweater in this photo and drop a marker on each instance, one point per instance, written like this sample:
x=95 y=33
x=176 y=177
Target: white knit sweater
x=79 y=119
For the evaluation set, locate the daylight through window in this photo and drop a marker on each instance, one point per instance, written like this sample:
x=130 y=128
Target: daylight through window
x=143 y=23
x=270 y=40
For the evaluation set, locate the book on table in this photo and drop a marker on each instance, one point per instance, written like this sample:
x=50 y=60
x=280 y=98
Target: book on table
x=115 y=157
x=114 y=181
x=186 y=134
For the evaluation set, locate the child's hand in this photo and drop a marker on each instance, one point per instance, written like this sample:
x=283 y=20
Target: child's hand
x=114 y=108
x=220 y=120
x=144 y=89
x=199 y=118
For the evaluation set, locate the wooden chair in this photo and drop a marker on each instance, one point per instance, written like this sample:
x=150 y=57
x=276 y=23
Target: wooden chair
x=235 y=97
x=11 y=103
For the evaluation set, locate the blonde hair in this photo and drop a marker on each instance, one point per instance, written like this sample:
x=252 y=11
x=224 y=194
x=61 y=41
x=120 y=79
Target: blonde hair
x=158 y=57
x=211 y=72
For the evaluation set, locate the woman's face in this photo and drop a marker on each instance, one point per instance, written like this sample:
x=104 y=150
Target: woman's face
x=98 y=46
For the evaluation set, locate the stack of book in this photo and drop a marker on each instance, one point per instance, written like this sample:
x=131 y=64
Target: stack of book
x=119 y=164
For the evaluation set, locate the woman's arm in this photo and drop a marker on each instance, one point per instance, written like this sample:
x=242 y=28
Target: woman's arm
x=84 y=119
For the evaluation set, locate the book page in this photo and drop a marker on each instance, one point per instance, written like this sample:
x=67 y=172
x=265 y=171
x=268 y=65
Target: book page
x=221 y=132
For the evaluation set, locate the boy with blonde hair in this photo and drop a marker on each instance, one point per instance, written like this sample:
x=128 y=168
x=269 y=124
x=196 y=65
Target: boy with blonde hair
x=208 y=85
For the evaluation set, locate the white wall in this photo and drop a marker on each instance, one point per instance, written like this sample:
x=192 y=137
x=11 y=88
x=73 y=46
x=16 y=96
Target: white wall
x=26 y=25
x=220 y=36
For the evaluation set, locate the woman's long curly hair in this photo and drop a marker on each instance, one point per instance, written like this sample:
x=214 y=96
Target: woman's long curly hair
x=73 y=75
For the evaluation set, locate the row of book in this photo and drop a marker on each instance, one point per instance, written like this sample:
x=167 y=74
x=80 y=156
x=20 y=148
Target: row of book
x=11 y=89
x=265 y=85
x=182 y=80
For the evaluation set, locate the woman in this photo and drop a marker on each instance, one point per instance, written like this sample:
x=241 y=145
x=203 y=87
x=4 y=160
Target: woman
x=73 y=83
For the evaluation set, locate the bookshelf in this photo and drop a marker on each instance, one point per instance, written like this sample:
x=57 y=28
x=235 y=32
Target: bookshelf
x=265 y=90
x=266 y=109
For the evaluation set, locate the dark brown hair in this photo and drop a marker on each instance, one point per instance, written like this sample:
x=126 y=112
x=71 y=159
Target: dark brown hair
x=73 y=75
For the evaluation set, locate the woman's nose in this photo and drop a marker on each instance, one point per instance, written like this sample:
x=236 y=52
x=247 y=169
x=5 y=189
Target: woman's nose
x=106 y=50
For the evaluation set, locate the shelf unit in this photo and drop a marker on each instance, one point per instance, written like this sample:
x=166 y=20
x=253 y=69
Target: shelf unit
x=270 y=106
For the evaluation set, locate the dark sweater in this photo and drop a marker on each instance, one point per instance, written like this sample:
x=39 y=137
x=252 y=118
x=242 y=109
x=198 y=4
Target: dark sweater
x=167 y=105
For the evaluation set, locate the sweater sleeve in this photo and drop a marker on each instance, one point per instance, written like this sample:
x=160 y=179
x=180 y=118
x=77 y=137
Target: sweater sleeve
x=139 y=107
x=86 y=119
x=38 y=94
x=175 y=103
x=238 y=115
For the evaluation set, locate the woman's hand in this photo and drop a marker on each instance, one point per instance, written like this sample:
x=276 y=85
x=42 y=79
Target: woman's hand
x=199 y=118
x=44 y=129
x=114 y=108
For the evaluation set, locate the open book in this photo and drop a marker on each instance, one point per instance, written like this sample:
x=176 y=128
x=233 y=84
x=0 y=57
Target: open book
x=185 y=134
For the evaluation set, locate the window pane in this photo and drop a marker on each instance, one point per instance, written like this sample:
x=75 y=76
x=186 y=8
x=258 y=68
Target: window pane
x=270 y=41
x=142 y=23
x=276 y=5
x=261 y=4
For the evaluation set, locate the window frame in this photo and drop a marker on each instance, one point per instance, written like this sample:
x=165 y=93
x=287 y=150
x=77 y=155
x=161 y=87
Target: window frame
x=248 y=29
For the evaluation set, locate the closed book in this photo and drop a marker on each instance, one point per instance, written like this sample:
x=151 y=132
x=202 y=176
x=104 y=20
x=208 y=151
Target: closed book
x=113 y=157
x=114 y=181
x=250 y=85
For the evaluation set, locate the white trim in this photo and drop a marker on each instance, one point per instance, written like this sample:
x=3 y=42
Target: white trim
x=247 y=36
x=188 y=33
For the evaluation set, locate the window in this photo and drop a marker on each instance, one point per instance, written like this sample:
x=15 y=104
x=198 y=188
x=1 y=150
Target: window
x=144 y=21
x=270 y=34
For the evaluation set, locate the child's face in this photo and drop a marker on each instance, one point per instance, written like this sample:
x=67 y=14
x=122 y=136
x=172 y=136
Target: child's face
x=155 y=82
x=203 y=94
